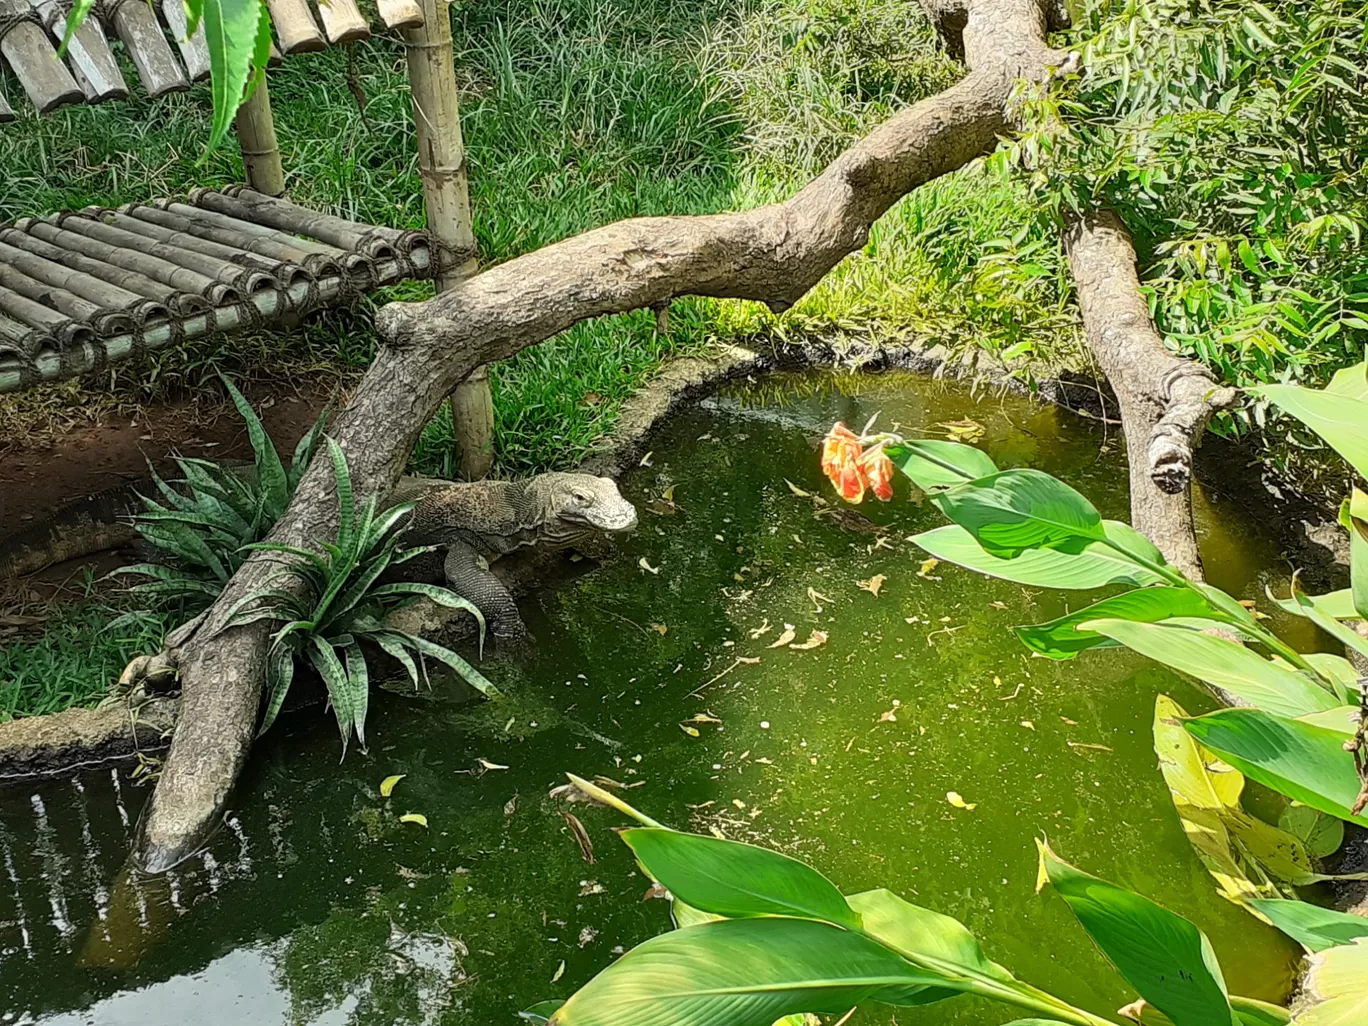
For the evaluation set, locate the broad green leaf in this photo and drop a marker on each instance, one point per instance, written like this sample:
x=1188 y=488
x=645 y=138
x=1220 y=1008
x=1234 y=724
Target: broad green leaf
x=1081 y=566
x=1225 y=664
x=80 y=10
x=919 y=933
x=1060 y=638
x=729 y=878
x=740 y=971
x=231 y=31
x=1350 y=382
x=1357 y=516
x=1015 y=510
x=1301 y=760
x=1337 y=671
x=1206 y=798
x=1321 y=835
x=1340 y=419
x=1337 y=985
x=1253 y=1012
x=933 y=464
x=1311 y=926
x=1163 y=956
x=1300 y=604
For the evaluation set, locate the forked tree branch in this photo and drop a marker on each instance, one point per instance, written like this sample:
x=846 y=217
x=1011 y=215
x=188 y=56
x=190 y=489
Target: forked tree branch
x=773 y=254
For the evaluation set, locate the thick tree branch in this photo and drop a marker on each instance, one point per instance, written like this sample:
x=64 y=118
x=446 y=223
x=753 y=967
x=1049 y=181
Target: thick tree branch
x=1165 y=401
x=773 y=254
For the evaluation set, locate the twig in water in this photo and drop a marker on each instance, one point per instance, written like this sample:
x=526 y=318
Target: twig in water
x=737 y=662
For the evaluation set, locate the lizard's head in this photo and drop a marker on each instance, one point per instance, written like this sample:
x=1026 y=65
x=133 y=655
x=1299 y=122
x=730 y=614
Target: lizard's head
x=595 y=502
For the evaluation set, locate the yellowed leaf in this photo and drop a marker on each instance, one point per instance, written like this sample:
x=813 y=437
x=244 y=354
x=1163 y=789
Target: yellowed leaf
x=927 y=565
x=486 y=765
x=646 y=460
x=815 y=640
x=796 y=490
x=788 y=635
x=873 y=584
x=953 y=797
x=668 y=494
x=762 y=629
x=414 y=817
x=738 y=803
x=387 y=785
x=703 y=717
x=647 y=566
x=660 y=629
x=888 y=716
x=1028 y=724
x=817 y=598
x=691 y=731
x=560 y=971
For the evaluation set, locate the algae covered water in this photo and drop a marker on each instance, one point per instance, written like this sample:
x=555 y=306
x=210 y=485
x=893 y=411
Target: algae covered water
x=662 y=669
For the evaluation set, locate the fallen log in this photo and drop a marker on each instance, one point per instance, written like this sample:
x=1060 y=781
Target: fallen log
x=1165 y=400
x=772 y=254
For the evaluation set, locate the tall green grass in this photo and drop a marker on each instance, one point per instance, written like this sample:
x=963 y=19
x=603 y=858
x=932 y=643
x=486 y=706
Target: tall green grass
x=577 y=113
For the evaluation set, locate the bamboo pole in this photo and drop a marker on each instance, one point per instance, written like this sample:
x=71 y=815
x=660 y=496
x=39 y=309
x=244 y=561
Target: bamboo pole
x=294 y=25
x=257 y=136
x=446 y=196
x=31 y=56
x=193 y=49
x=136 y=24
x=342 y=21
x=92 y=62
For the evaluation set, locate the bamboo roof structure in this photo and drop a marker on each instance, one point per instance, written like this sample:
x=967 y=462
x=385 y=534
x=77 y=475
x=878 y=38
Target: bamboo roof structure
x=151 y=35
x=82 y=290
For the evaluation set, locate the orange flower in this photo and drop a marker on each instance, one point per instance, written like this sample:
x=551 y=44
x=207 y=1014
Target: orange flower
x=841 y=453
x=877 y=469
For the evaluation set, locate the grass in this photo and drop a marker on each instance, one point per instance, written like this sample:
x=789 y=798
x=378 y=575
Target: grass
x=575 y=113
x=82 y=649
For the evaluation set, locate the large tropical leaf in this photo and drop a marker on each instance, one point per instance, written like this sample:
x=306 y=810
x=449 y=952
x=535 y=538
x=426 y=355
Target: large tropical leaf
x=1061 y=639
x=924 y=936
x=1304 y=761
x=728 y=878
x=933 y=464
x=1225 y=664
x=1163 y=956
x=1336 y=987
x=1339 y=417
x=740 y=972
x=1084 y=565
x=1311 y=926
x=1015 y=510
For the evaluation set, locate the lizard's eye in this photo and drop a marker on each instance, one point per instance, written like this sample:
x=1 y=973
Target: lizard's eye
x=580 y=498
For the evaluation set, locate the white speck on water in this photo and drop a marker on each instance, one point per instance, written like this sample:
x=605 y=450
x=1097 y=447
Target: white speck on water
x=764 y=724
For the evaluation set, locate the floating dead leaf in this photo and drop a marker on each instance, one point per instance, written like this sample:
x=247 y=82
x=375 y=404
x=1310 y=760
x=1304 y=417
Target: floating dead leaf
x=872 y=585
x=796 y=490
x=703 y=717
x=691 y=731
x=646 y=460
x=762 y=629
x=817 y=598
x=560 y=971
x=738 y=803
x=963 y=430
x=486 y=765
x=588 y=887
x=927 y=565
x=788 y=635
x=815 y=640
x=655 y=891
x=1077 y=745
x=660 y=629
x=387 y=785
x=888 y=716
x=647 y=566
x=414 y=817
x=997 y=604
x=1133 y=1011
x=587 y=936
x=953 y=797
x=1072 y=723
x=1028 y=724
x=580 y=834
x=511 y=806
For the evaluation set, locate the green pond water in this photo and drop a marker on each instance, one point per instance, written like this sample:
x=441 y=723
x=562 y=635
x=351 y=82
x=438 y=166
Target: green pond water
x=315 y=904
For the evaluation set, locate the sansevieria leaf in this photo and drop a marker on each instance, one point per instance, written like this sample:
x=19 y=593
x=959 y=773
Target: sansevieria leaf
x=1163 y=956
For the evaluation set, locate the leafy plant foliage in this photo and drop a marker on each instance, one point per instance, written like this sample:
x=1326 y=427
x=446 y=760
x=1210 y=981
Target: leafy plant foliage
x=205 y=520
x=337 y=605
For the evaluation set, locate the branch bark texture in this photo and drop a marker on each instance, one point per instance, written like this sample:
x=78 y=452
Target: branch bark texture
x=1165 y=401
x=773 y=254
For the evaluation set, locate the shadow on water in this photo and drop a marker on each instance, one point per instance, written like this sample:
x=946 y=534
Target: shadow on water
x=316 y=904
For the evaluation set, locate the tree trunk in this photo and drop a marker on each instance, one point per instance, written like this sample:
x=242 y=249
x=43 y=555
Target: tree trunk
x=1165 y=401
x=773 y=254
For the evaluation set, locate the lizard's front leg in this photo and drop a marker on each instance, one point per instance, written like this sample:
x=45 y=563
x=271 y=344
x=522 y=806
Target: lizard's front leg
x=468 y=575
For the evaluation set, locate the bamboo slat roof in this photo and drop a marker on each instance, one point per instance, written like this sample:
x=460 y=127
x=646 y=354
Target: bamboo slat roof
x=151 y=34
x=81 y=290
